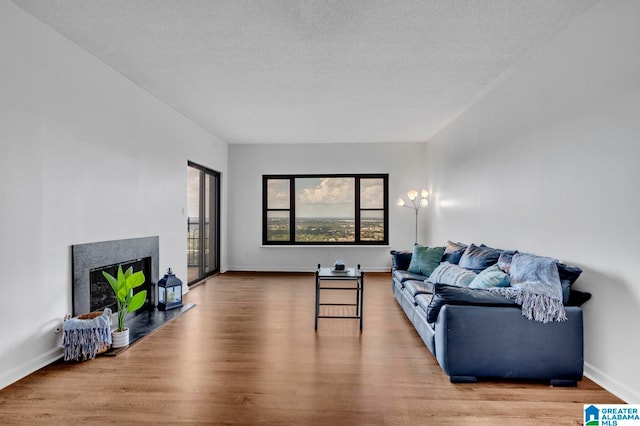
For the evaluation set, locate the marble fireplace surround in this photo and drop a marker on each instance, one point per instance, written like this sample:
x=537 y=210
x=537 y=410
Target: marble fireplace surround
x=95 y=255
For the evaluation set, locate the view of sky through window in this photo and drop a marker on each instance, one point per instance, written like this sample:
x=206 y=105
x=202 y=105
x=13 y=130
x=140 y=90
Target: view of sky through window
x=325 y=197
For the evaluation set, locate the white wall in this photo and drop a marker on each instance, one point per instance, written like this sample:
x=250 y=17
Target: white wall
x=86 y=156
x=548 y=163
x=247 y=163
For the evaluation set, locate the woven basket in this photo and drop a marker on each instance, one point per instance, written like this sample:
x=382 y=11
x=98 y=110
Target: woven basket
x=91 y=315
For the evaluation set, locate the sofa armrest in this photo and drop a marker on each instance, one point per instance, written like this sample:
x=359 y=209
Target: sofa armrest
x=487 y=341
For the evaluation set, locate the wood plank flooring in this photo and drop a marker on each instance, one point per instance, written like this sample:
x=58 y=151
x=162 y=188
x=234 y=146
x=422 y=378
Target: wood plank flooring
x=248 y=354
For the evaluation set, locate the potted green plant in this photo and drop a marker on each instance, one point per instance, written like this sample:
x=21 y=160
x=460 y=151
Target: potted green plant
x=123 y=286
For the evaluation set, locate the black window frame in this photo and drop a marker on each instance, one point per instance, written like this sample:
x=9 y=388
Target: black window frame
x=357 y=209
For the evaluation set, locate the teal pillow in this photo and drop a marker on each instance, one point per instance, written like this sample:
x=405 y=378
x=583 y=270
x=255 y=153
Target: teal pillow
x=491 y=277
x=425 y=259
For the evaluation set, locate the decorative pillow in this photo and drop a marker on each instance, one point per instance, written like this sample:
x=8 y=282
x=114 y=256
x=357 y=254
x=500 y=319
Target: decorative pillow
x=425 y=259
x=446 y=294
x=400 y=259
x=577 y=298
x=504 y=261
x=568 y=276
x=453 y=252
x=477 y=258
x=446 y=273
x=493 y=276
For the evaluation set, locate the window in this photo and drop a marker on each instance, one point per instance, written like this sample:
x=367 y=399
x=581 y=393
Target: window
x=325 y=209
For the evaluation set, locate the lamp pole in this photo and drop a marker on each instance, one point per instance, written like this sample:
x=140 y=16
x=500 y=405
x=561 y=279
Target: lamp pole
x=415 y=205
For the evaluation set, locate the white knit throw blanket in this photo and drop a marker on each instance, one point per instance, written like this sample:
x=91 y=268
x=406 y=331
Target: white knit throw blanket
x=82 y=338
x=535 y=285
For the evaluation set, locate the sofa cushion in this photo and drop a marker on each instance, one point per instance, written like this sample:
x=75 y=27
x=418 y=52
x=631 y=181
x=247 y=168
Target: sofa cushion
x=423 y=301
x=447 y=294
x=415 y=287
x=493 y=276
x=446 y=273
x=453 y=252
x=400 y=259
x=402 y=276
x=478 y=258
x=425 y=259
x=568 y=276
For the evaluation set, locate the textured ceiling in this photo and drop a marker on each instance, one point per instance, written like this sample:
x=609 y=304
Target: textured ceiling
x=296 y=71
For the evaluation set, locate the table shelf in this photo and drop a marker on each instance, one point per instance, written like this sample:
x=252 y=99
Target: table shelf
x=339 y=281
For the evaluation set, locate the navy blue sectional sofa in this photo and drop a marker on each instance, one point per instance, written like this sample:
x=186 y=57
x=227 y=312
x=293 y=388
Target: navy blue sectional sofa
x=474 y=333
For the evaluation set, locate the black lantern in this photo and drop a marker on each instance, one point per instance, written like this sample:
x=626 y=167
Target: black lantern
x=169 y=292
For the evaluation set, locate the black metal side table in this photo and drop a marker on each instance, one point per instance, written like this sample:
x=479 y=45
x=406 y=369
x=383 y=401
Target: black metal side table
x=340 y=310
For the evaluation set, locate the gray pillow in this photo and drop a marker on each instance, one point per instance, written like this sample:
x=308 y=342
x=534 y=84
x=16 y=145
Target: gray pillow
x=478 y=258
x=446 y=273
x=504 y=261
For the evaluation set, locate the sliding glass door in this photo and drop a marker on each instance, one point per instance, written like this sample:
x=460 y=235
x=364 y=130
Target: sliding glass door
x=203 y=222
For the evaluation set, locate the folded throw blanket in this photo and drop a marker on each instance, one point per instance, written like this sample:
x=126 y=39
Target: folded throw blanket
x=535 y=285
x=82 y=337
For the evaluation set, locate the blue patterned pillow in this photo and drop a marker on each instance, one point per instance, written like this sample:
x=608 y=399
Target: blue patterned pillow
x=425 y=259
x=493 y=276
x=453 y=252
x=568 y=276
x=446 y=273
x=479 y=258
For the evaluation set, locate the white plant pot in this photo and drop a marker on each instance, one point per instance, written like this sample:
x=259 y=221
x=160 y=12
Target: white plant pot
x=120 y=339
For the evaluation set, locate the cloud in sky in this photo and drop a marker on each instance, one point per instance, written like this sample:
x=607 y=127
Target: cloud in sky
x=325 y=197
x=324 y=190
x=371 y=194
x=278 y=193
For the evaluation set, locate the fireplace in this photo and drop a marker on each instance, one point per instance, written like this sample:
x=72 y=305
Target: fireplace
x=91 y=291
x=101 y=295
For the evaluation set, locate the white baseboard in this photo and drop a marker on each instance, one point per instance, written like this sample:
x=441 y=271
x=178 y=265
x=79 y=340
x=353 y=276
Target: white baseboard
x=29 y=367
x=622 y=391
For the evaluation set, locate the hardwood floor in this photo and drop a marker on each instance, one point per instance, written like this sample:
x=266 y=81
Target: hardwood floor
x=248 y=354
